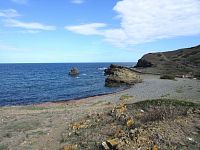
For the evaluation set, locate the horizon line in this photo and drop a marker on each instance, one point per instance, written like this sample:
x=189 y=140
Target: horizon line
x=61 y=62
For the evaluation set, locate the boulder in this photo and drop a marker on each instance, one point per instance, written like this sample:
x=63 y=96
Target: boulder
x=110 y=144
x=70 y=147
x=119 y=75
x=105 y=146
x=74 y=72
x=130 y=123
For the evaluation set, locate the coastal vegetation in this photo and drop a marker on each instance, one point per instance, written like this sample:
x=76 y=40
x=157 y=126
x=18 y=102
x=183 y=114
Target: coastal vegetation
x=139 y=125
x=170 y=77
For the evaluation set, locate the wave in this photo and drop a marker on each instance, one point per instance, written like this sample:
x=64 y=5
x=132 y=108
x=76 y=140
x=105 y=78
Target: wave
x=103 y=68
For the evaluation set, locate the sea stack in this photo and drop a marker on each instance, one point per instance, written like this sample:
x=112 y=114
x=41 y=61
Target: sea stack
x=74 y=72
x=120 y=75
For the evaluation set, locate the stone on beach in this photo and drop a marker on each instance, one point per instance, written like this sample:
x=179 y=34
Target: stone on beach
x=110 y=144
x=70 y=147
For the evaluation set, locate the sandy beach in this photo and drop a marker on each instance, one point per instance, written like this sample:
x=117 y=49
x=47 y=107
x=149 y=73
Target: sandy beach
x=41 y=126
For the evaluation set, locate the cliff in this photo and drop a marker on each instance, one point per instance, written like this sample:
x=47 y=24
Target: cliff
x=179 y=62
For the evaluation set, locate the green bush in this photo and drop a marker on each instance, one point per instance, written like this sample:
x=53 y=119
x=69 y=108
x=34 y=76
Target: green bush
x=170 y=77
x=3 y=147
x=197 y=75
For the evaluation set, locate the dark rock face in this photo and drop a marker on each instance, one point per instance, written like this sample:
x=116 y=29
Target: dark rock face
x=119 y=75
x=143 y=63
x=74 y=72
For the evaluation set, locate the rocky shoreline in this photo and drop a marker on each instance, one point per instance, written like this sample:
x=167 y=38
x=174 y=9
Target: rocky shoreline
x=48 y=125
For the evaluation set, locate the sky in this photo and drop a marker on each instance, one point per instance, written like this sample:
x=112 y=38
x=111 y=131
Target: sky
x=54 y=31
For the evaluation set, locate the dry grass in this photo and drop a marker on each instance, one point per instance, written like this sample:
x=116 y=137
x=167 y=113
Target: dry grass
x=125 y=97
x=23 y=125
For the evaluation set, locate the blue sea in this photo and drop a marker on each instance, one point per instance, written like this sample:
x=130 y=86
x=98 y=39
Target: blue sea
x=23 y=84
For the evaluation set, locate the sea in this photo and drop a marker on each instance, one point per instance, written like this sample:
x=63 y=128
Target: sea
x=34 y=83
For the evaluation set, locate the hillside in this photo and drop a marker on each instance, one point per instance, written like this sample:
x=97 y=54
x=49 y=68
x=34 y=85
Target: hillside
x=179 y=62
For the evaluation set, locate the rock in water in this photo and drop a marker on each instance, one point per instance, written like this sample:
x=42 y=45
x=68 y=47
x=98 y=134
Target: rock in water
x=74 y=72
x=118 y=75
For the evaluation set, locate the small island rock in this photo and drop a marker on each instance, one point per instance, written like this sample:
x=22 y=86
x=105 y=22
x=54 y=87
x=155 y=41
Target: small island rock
x=74 y=72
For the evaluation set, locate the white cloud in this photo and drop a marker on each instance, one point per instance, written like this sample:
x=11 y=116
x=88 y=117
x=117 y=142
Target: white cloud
x=150 y=20
x=25 y=25
x=29 y=31
x=20 y=1
x=9 y=13
x=30 y=27
x=87 y=29
x=77 y=1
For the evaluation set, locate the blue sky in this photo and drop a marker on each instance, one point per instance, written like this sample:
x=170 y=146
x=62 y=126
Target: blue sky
x=94 y=30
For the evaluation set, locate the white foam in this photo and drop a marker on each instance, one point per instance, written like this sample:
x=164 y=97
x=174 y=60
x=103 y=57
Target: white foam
x=102 y=68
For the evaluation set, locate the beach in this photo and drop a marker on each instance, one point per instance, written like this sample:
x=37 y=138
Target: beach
x=41 y=126
x=99 y=75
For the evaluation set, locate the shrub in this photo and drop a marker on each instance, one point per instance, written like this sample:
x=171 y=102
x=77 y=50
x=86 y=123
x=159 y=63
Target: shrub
x=125 y=97
x=163 y=112
x=159 y=54
x=3 y=146
x=170 y=77
x=157 y=110
x=197 y=75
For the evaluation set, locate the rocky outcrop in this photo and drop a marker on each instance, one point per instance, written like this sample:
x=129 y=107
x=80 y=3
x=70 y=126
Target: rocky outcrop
x=74 y=72
x=179 y=62
x=119 y=75
x=143 y=63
